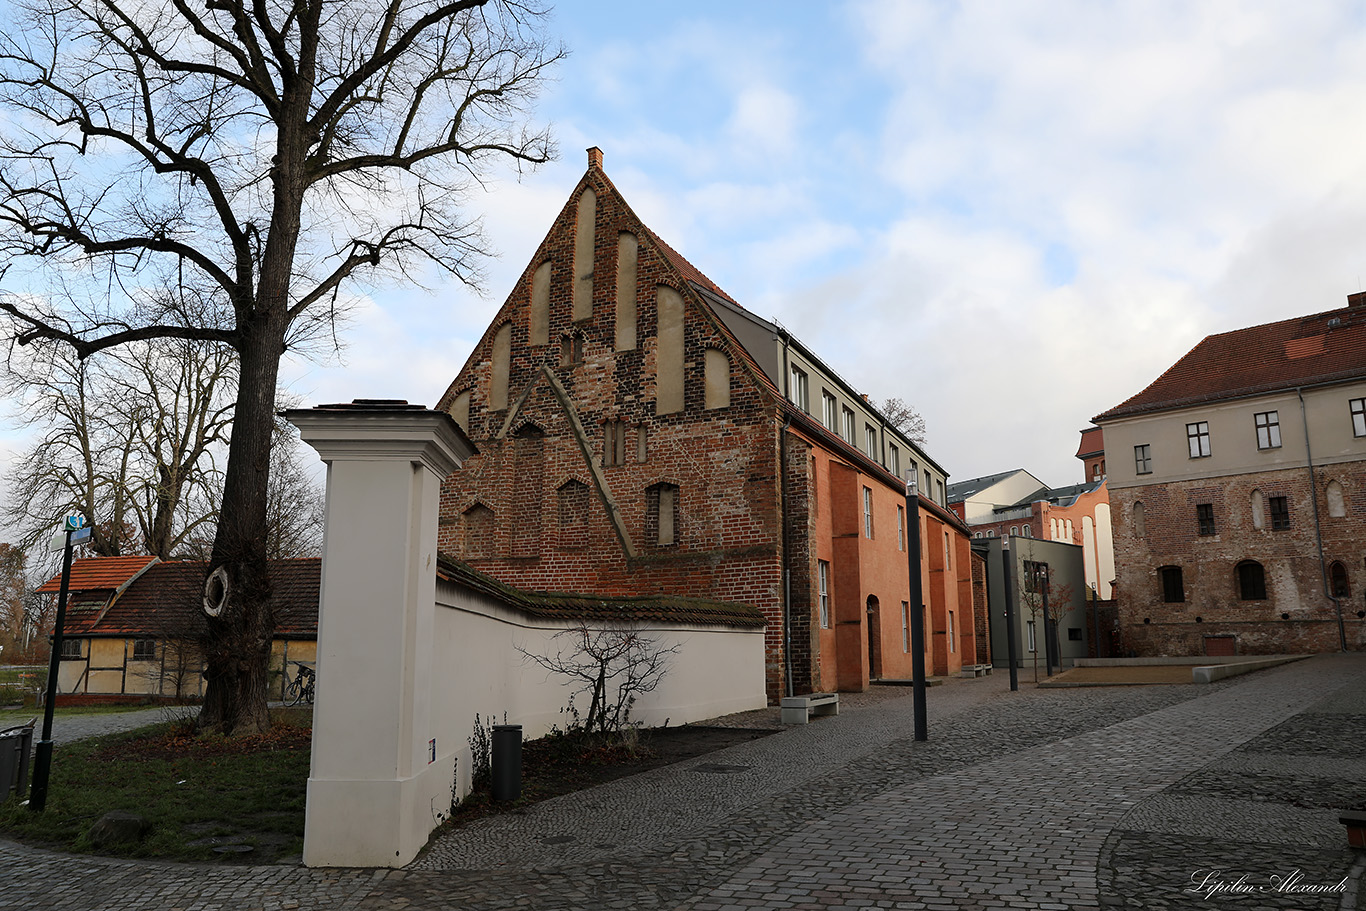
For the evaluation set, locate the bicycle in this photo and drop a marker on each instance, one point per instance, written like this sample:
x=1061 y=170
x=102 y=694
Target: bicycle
x=300 y=689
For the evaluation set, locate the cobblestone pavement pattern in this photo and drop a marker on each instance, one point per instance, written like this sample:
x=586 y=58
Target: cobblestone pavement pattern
x=1050 y=799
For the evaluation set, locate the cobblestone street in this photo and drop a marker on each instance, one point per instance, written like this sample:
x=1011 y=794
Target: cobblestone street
x=1117 y=797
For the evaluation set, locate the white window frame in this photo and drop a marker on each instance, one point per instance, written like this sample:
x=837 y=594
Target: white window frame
x=1197 y=439
x=799 y=390
x=867 y=513
x=847 y=416
x=1358 y=409
x=900 y=527
x=1029 y=627
x=823 y=572
x=1268 y=424
x=870 y=440
x=894 y=459
x=830 y=411
x=951 y=633
x=905 y=627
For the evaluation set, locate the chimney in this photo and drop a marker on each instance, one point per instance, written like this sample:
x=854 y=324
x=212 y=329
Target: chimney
x=595 y=158
x=1357 y=300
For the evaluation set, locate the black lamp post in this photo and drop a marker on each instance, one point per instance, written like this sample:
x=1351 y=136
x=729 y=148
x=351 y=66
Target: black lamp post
x=75 y=531
x=917 y=609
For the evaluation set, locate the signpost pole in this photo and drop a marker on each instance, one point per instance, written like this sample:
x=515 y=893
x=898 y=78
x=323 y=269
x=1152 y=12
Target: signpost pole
x=42 y=758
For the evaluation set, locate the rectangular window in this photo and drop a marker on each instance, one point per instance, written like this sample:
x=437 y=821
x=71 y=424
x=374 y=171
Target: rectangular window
x=901 y=528
x=1268 y=429
x=823 y=571
x=1074 y=634
x=1197 y=438
x=1358 y=417
x=1029 y=629
x=939 y=492
x=1204 y=514
x=951 y=635
x=798 y=391
x=144 y=649
x=867 y=513
x=1173 y=586
x=1143 y=459
x=847 y=415
x=830 y=414
x=71 y=648
x=1280 y=512
x=871 y=444
x=905 y=626
x=893 y=459
x=913 y=473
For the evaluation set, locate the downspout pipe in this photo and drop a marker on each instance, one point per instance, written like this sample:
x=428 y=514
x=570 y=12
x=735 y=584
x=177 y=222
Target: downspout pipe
x=1318 y=529
x=783 y=527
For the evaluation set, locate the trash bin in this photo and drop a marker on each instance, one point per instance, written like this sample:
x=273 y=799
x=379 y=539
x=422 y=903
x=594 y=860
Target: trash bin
x=507 y=761
x=16 y=746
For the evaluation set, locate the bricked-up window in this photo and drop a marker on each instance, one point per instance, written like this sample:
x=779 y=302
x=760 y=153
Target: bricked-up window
x=1140 y=523
x=830 y=412
x=479 y=528
x=1197 y=438
x=1280 y=512
x=799 y=389
x=1251 y=581
x=573 y=514
x=71 y=648
x=847 y=431
x=870 y=442
x=893 y=459
x=1358 y=417
x=144 y=650
x=1173 y=585
x=823 y=574
x=661 y=514
x=901 y=528
x=716 y=379
x=1337 y=580
x=1143 y=459
x=867 y=512
x=1268 y=429
x=614 y=442
x=1204 y=517
x=571 y=350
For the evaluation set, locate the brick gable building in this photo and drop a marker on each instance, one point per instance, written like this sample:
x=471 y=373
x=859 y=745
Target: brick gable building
x=1238 y=484
x=641 y=433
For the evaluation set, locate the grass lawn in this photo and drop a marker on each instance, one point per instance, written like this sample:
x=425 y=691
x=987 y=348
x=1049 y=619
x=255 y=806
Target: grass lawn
x=197 y=793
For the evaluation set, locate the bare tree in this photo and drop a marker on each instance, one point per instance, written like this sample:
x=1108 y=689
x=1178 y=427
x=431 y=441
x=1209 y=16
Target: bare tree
x=127 y=439
x=904 y=418
x=222 y=173
x=613 y=664
x=1047 y=605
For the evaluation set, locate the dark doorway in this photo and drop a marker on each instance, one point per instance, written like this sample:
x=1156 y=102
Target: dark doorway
x=874 y=639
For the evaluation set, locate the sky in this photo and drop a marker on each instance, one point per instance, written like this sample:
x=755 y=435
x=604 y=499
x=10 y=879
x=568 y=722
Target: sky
x=1013 y=215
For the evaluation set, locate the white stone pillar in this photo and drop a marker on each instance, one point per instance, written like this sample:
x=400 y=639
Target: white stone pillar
x=373 y=781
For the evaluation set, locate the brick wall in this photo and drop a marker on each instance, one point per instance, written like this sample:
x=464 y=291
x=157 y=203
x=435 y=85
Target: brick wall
x=1296 y=615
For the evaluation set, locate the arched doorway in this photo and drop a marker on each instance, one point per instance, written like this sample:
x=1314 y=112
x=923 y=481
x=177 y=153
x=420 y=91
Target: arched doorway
x=874 y=639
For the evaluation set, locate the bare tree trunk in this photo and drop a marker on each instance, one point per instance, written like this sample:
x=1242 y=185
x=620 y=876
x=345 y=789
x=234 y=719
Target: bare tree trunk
x=241 y=621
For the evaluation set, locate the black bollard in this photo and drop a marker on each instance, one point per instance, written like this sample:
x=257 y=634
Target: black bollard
x=507 y=761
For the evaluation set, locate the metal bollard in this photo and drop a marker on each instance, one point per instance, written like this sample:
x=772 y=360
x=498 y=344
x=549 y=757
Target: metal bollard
x=507 y=761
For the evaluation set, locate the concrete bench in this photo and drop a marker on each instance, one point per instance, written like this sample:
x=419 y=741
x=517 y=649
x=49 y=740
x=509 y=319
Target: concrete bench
x=798 y=709
x=975 y=670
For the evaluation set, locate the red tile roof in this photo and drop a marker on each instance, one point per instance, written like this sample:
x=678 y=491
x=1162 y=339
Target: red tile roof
x=581 y=607
x=1306 y=351
x=1092 y=442
x=164 y=602
x=689 y=271
x=98 y=574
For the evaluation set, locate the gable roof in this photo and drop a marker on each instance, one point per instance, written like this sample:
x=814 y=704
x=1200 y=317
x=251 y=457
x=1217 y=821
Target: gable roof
x=164 y=601
x=92 y=574
x=966 y=490
x=1311 y=350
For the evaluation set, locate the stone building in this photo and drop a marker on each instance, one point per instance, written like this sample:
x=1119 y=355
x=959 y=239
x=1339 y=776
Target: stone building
x=1239 y=493
x=639 y=432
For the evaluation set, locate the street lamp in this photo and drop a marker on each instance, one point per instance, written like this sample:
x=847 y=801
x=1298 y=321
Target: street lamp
x=74 y=531
x=917 y=608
